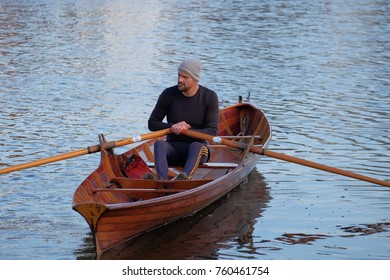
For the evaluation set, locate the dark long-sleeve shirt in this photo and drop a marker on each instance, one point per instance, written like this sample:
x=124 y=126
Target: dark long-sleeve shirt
x=200 y=111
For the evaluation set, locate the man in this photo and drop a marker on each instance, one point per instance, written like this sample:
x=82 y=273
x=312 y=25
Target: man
x=188 y=105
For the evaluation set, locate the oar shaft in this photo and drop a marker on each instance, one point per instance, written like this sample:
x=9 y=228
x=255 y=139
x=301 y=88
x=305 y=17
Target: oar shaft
x=284 y=157
x=39 y=162
x=146 y=136
x=324 y=167
x=89 y=150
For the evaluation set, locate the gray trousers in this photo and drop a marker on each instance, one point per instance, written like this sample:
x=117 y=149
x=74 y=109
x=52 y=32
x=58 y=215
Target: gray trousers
x=175 y=153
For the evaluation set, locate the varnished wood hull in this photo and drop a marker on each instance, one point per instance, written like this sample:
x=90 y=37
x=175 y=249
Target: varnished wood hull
x=128 y=207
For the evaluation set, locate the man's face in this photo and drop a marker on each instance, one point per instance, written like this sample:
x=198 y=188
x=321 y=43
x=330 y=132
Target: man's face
x=184 y=81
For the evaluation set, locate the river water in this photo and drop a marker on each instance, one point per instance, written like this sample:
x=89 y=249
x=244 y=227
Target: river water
x=70 y=70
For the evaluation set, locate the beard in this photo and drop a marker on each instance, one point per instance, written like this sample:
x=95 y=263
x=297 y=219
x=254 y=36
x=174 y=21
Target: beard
x=182 y=87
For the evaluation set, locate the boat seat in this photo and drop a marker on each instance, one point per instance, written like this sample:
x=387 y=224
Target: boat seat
x=218 y=165
x=127 y=183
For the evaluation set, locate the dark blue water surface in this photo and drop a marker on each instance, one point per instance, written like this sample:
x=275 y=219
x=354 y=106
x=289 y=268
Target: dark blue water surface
x=320 y=70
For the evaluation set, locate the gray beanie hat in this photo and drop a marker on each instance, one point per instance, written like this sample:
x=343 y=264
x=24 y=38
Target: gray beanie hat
x=192 y=67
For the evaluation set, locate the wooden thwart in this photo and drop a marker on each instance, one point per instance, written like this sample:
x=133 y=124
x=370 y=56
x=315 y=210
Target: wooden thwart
x=126 y=183
x=140 y=190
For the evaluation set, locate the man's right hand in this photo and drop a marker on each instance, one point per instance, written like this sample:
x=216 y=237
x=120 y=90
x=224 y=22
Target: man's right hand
x=177 y=128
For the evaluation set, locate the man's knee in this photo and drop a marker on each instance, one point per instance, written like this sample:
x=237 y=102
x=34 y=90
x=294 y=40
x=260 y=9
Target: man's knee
x=196 y=146
x=159 y=143
x=160 y=146
x=201 y=150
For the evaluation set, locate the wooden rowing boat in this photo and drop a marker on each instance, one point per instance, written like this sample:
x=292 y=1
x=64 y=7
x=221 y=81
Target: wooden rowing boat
x=118 y=208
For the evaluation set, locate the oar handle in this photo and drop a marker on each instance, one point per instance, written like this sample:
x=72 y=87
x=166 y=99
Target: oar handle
x=261 y=151
x=89 y=150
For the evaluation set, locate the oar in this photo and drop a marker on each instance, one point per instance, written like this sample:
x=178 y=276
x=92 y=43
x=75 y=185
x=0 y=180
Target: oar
x=88 y=150
x=261 y=151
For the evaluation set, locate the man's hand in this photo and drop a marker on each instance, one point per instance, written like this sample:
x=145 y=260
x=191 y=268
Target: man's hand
x=177 y=128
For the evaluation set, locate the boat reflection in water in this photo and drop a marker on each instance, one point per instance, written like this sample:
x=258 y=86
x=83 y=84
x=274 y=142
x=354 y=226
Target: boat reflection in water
x=227 y=223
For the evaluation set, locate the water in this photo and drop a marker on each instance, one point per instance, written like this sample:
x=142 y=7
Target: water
x=70 y=70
